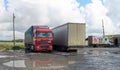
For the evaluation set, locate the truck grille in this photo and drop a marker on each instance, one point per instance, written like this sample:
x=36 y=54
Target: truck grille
x=44 y=41
x=44 y=46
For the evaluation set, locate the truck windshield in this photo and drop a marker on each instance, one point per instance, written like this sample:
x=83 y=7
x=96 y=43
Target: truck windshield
x=43 y=34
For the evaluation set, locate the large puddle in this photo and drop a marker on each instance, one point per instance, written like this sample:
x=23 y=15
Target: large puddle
x=54 y=64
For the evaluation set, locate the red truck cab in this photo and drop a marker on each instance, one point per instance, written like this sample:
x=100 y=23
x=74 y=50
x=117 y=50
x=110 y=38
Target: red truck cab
x=39 y=38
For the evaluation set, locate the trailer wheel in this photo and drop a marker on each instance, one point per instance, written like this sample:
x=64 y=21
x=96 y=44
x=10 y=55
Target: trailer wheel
x=94 y=45
x=64 y=49
x=27 y=50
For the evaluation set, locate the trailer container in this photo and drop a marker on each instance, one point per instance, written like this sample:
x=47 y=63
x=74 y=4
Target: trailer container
x=39 y=38
x=69 y=36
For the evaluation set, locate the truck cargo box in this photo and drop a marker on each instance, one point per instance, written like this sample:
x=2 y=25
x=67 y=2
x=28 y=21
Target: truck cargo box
x=70 y=35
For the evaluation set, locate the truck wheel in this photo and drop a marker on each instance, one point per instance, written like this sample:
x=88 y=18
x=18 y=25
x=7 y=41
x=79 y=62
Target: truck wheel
x=32 y=48
x=50 y=51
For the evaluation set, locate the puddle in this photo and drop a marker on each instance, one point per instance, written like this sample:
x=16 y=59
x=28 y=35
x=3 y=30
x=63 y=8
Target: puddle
x=17 y=63
x=5 y=56
x=96 y=53
x=53 y=64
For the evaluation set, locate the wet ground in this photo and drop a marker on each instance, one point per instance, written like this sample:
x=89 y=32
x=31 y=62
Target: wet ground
x=83 y=59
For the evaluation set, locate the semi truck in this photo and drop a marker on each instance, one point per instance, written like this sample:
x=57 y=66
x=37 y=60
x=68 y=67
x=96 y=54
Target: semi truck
x=69 y=36
x=39 y=38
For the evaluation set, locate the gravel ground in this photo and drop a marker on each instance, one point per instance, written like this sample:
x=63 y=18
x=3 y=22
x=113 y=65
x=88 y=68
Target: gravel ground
x=83 y=59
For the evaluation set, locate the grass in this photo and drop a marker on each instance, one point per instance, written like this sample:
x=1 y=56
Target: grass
x=9 y=45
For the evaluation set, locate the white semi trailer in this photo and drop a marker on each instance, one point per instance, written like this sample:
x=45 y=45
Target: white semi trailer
x=69 y=36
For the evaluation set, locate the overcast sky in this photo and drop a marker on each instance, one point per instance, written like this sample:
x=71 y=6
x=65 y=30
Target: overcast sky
x=56 y=12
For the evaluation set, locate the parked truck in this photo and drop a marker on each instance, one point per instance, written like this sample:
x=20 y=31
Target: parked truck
x=39 y=38
x=69 y=36
x=94 y=41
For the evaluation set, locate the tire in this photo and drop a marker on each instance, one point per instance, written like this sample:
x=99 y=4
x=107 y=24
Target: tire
x=50 y=51
x=94 y=45
x=64 y=49
x=26 y=50
x=32 y=48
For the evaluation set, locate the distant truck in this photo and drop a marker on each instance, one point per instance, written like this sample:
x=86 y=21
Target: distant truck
x=39 y=38
x=69 y=36
x=94 y=41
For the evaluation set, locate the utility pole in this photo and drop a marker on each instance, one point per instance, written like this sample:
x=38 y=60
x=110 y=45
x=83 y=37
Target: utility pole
x=13 y=29
x=13 y=39
x=103 y=28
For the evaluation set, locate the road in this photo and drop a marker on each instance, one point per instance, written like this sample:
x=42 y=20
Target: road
x=83 y=59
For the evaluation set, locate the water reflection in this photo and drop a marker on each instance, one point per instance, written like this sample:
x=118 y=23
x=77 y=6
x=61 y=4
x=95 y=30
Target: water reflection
x=39 y=63
x=5 y=56
x=17 y=63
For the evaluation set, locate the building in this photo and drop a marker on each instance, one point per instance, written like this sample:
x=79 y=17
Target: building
x=115 y=39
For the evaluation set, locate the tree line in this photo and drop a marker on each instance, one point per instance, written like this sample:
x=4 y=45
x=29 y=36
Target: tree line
x=17 y=40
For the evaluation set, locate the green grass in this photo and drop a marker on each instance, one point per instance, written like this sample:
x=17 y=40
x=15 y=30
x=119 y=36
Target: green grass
x=9 y=45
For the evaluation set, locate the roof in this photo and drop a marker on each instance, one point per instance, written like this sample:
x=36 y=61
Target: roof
x=68 y=24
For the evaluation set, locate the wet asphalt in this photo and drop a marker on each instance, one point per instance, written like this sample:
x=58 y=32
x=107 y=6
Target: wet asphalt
x=83 y=59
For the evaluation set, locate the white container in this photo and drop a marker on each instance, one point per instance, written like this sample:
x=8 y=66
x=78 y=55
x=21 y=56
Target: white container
x=70 y=35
